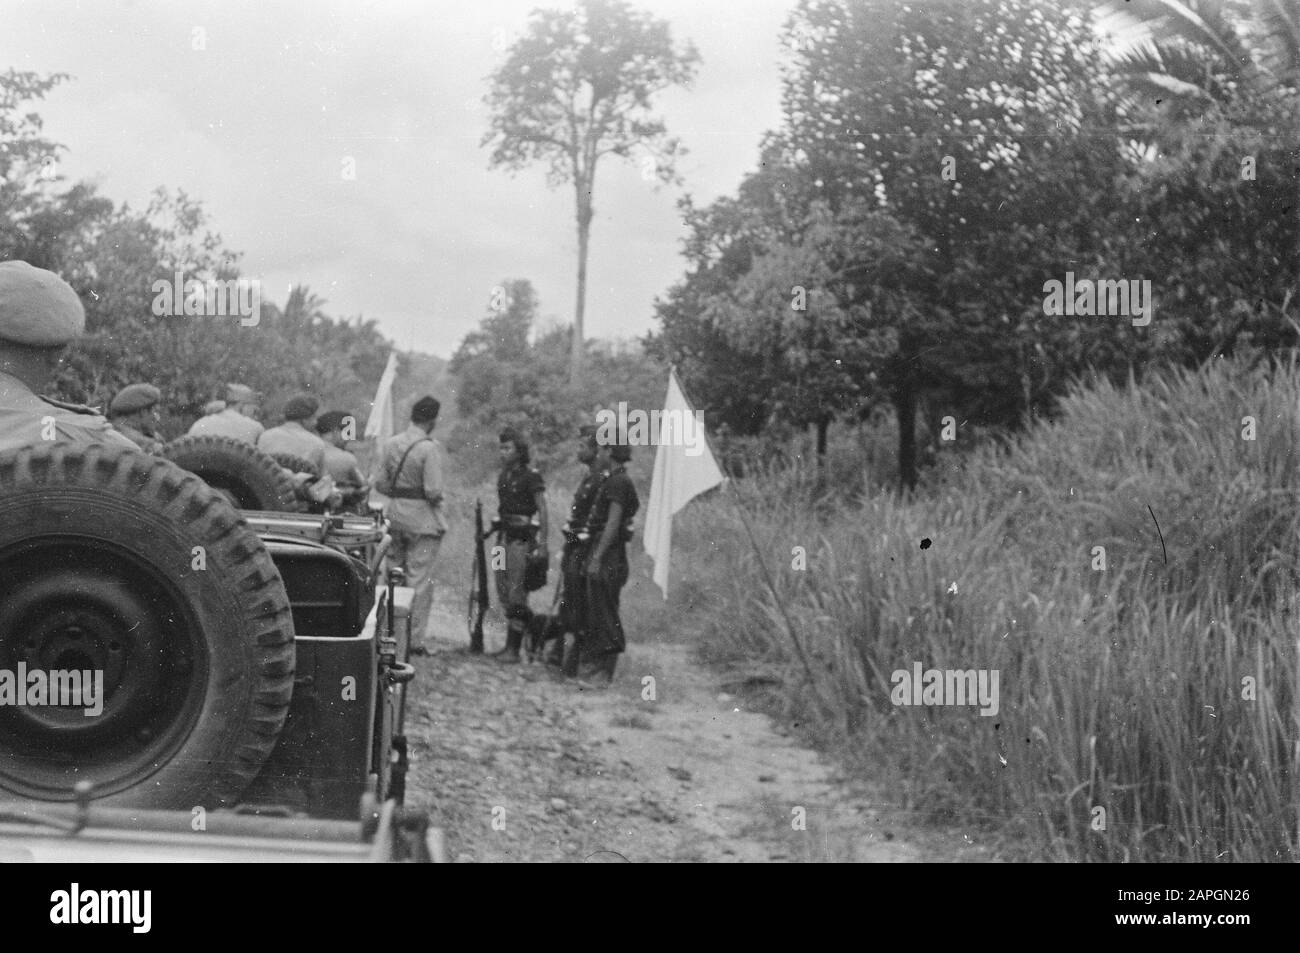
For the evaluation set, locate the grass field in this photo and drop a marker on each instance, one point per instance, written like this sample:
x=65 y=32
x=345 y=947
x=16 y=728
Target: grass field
x=1147 y=709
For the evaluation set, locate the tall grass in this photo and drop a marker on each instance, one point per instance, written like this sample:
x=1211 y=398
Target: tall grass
x=1124 y=689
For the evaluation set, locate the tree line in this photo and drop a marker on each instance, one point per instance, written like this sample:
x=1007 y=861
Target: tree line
x=112 y=254
x=938 y=163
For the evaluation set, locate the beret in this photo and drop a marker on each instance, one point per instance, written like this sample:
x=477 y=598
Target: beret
x=213 y=407
x=516 y=436
x=37 y=307
x=300 y=407
x=134 y=397
x=238 y=394
x=331 y=421
x=425 y=409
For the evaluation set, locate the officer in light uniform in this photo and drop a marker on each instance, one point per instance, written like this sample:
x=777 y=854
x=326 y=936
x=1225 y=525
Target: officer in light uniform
x=236 y=421
x=409 y=472
x=297 y=434
x=40 y=315
x=134 y=412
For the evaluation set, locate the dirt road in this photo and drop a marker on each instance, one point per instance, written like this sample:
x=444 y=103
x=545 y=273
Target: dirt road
x=516 y=765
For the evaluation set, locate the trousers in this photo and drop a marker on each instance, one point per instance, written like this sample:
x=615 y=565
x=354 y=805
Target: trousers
x=510 y=582
x=415 y=553
x=604 y=634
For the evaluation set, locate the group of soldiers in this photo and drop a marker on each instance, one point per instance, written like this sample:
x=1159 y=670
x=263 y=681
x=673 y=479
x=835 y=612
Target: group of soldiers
x=40 y=315
x=593 y=564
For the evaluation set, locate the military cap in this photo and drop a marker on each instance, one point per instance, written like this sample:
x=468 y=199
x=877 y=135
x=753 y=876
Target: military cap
x=37 y=307
x=333 y=420
x=425 y=410
x=300 y=407
x=239 y=394
x=134 y=397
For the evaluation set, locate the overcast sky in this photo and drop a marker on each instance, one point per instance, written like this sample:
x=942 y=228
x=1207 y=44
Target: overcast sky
x=257 y=126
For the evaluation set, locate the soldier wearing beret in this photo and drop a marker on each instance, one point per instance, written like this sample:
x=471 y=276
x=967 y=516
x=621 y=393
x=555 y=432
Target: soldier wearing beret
x=340 y=464
x=134 y=412
x=521 y=532
x=297 y=435
x=610 y=525
x=409 y=472
x=40 y=315
x=236 y=419
x=577 y=544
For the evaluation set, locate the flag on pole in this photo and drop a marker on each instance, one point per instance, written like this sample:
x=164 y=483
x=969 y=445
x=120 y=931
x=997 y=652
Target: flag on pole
x=380 y=423
x=679 y=475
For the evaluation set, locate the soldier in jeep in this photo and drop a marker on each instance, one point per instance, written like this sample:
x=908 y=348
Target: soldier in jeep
x=40 y=315
x=236 y=420
x=134 y=412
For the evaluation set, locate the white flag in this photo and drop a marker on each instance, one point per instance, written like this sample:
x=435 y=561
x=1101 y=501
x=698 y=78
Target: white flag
x=679 y=476
x=380 y=423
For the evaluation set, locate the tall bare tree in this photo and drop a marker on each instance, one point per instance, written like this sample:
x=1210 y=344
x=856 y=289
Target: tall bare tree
x=578 y=86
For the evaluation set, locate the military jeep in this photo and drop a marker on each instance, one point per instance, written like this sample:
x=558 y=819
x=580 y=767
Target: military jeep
x=254 y=662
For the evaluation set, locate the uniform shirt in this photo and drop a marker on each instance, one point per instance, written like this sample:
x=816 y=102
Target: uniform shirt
x=229 y=423
x=517 y=490
x=583 y=498
x=146 y=443
x=342 y=465
x=22 y=415
x=293 y=438
x=617 y=488
x=422 y=470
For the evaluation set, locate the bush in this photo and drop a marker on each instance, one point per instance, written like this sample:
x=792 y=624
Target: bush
x=1120 y=689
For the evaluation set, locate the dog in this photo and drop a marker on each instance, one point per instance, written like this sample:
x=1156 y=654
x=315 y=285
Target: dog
x=541 y=629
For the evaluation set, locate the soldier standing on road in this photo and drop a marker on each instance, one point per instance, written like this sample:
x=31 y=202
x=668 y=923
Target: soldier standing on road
x=409 y=473
x=610 y=525
x=521 y=496
x=297 y=435
x=134 y=412
x=577 y=543
x=40 y=315
x=237 y=420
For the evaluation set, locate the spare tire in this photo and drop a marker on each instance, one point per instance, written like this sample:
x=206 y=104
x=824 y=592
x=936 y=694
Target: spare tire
x=124 y=565
x=296 y=464
x=246 y=476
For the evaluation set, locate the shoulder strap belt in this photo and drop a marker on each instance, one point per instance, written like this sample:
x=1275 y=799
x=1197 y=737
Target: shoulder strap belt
x=415 y=493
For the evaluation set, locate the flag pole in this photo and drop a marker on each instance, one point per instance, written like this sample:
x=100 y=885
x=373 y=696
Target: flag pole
x=753 y=541
x=771 y=586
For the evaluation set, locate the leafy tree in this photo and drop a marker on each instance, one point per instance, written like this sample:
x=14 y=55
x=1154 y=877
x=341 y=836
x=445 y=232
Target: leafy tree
x=28 y=168
x=577 y=87
x=1213 y=92
x=936 y=165
x=503 y=333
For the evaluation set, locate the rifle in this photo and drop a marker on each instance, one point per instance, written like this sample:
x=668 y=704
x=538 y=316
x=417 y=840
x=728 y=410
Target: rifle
x=478 y=587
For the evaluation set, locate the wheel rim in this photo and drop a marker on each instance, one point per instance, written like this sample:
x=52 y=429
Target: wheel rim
x=84 y=604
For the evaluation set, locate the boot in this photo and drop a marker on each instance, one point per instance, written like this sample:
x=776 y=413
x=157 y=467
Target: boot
x=570 y=653
x=597 y=672
x=509 y=653
x=554 y=654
